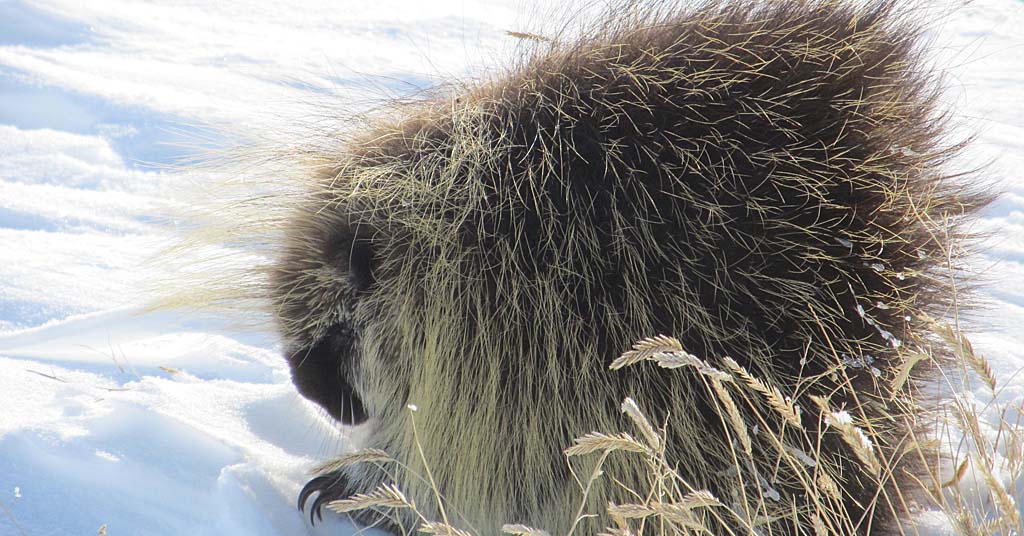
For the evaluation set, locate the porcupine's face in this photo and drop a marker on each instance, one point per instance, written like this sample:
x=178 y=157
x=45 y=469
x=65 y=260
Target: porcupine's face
x=323 y=272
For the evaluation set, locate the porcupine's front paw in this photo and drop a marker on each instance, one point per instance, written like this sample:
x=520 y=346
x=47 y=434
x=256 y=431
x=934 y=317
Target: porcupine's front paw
x=335 y=486
x=328 y=487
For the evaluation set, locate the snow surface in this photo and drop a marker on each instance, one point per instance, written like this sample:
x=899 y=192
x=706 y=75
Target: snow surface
x=164 y=424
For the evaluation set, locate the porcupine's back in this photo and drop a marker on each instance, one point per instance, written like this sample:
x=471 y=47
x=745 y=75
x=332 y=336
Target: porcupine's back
x=761 y=180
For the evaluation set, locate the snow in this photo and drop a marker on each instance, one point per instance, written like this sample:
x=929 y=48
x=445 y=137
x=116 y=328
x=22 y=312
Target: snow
x=167 y=424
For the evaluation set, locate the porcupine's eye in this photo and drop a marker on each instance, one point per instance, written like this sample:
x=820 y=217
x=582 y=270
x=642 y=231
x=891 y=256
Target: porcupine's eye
x=353 y=258
x=360 y=265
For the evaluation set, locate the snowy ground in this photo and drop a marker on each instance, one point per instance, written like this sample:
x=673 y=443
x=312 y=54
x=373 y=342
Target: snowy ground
x=169 y=425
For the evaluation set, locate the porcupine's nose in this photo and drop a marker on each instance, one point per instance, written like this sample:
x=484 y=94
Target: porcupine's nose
x=318 y=377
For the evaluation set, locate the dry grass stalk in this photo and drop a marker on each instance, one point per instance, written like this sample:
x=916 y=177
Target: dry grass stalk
x=961 y=470
x=646 y=349
x=596 y=441
x=828 y=486
x=852 y=434
x=965 y=350
x=784 y=406
x=441 y=529
x=733 y=414
x=523 y=530
x=683 y=359
x=819 y=526
x=680 y=513
x=385 y=496
x=631 y=511
x=982 y=505
x=697 y=499
x=903 y=372
x=353 y=458
x=630 y=408
x=1006 y=503
x=527 y=36
x=667 y=352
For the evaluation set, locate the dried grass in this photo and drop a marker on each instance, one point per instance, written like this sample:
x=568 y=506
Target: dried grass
x=386 y=496
x=598 y=442
x=357 y=457
x=523 y=530
x=987 y=439
x=784 y=406
x=674 y=508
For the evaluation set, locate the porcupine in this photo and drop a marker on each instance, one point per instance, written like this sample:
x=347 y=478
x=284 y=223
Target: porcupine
x=763 y=181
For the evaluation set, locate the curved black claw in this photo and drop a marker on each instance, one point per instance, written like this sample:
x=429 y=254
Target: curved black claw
x=330 y=487
x=311 y=487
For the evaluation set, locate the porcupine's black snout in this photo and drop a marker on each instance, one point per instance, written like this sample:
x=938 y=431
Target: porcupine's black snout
x=318 y=377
